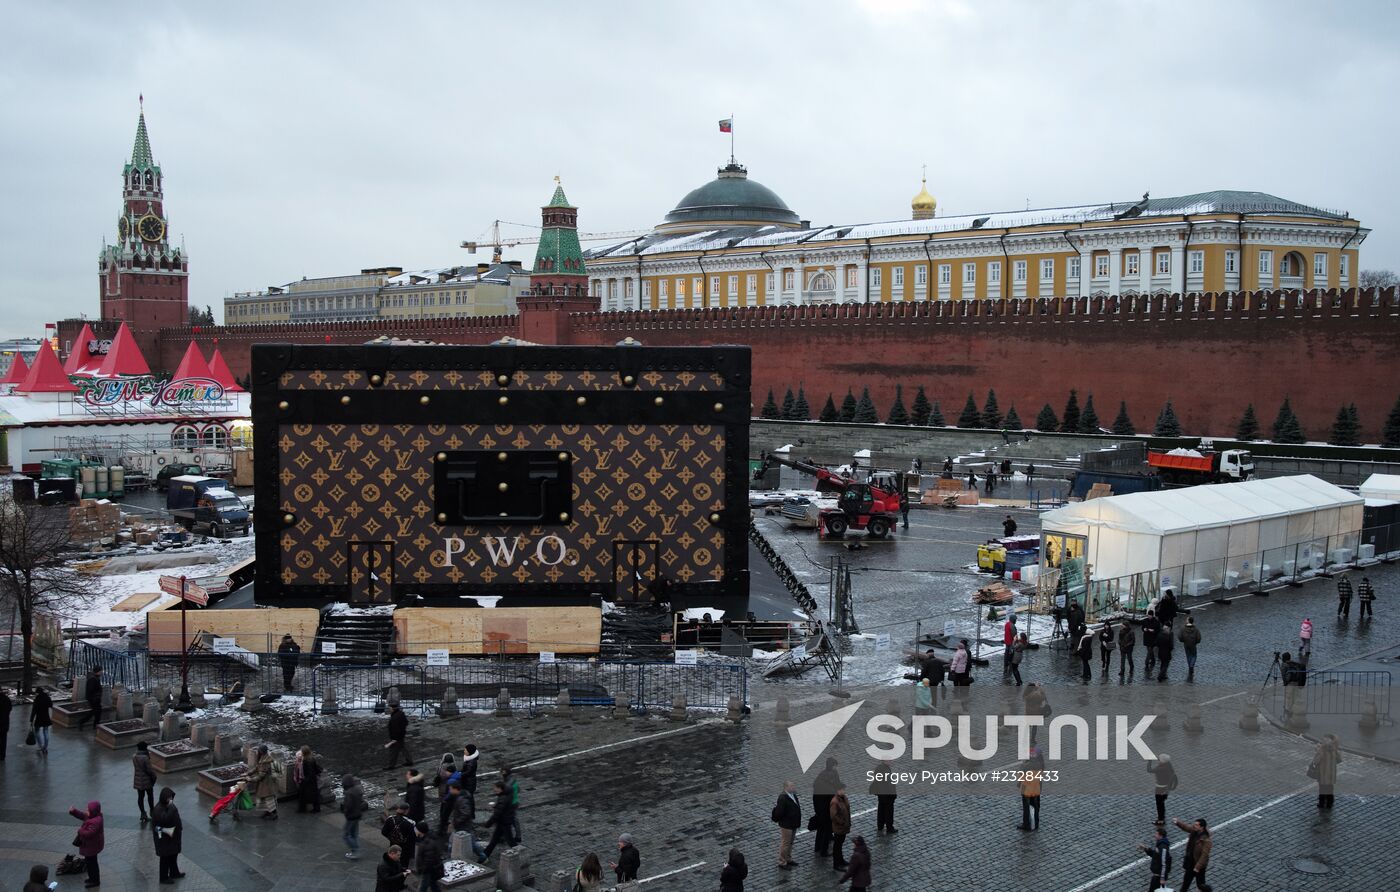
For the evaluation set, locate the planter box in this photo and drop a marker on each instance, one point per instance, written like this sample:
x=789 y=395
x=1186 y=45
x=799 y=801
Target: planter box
x=467 y=876
x=125 y=734
x=178 y=755
x=215 y=782
x=69 y=714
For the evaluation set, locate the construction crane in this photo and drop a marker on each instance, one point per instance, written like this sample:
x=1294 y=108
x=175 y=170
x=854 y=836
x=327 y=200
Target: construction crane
x=496 y=243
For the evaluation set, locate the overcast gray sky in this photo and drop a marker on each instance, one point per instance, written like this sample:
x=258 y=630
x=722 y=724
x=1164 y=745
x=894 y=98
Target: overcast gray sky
x=311 y=139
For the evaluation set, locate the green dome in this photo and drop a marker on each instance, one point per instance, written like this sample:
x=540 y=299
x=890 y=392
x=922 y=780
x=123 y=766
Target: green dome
x=730 y=199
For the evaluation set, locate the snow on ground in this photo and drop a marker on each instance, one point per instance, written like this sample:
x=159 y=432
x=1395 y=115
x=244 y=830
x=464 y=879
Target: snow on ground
x=111 y=590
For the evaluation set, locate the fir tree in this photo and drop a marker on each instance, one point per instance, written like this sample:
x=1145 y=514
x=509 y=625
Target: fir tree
x=921 y=408
x=848 y=407
x=1046 y=420
x=1248 y=428
x=1069 y=422
x=1123 y=424
x=1167 y=423
x=1287 y=427
x=770 y=408
x=865 y=409
x=1355 y=420
x=786 y=411
x=1345 y=430
x=1089 y=419
x=829 y=412
x=1390 y=432
x=991 y=412
x=800 y=410
x=935 y=416
x=898 y=414
x=1012 y=421
x=970 y=417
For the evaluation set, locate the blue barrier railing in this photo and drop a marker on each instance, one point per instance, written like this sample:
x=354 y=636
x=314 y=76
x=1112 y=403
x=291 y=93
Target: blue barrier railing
x=117 y=667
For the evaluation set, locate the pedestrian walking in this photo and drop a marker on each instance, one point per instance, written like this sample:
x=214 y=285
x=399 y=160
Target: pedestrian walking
x=464 y=814
x=90 y=839
x=629 y=860
x=787 y=814
x=1164 y=781
x=1008 y=527
x=1197 y=857
x=1190 y=636
x=1344 y=596
x=923 y=698
x=264 y=785
x=143 y=780
x=306 y=775
x=471 y=756
x=1108 y=639
x=1075 y=615
x=501 y=820
x=398 y=732
x=1305 y=637
x=416 y=796
x=38 y=879
x=736 y=870
x=1008 y=640
x=1030 y=474
x=92 y=693
x=971 y=478
x=1018 y=653
x=885 y=793
x=991 y=479
x=824 y=788
x=1126 y=639
x=512 y=786
x=447 y=808
x=399 y=831
x=1030 y=797
x=391 y=875
x=1167 y=608
x=6 y=705
x=1165 y=643
x=353 y=806
x=840 y=814
x=41 y=719
x=904 y=508
x=1036 y=703
x=167 y=828
x=1159 y=854
x=933 y=670
x=1366 y=595
x=858 y=868
x=288 y=652
x=430 y=868
x=1150 y=627
x=1323 y=769
x=1085 y=650
x=589 y=875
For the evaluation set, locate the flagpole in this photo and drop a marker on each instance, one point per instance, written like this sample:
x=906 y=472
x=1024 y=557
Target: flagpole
x=731 y=137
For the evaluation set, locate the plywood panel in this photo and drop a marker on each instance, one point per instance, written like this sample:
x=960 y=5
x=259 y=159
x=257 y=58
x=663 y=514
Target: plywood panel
x=475 y=630
x=138 y=601
x=259 y=631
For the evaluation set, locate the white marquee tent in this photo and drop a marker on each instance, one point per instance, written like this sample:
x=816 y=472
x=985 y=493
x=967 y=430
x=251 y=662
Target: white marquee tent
x=1382 y=486
x=1204 y=537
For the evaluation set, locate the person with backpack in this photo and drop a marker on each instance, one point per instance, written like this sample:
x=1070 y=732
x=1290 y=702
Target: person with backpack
x=1085 y=650
x=398 y=830
x=1126 y=639
x=353 y=806
x=90 y=839
x=1367 y=596
x=1107 y=639
x=1190 y=636
x=1159 y=854
x=143 y=780
x=1164 y=781
x=1150 y=627
x=787 y=814
x=168 y=830
x=1197 y=857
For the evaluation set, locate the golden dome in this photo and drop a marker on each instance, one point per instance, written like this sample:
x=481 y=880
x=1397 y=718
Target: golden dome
x=923 y=204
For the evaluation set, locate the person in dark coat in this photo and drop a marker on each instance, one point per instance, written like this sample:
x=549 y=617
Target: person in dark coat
x=430 y=868
x=288 y=652
x=464 y=814
x=143 y=779
x=858 y=868
x=1167 y=608
x=885 y=792
x=91 y=840
x=353 y=806
x=1150 y=627
x=787 y=814
x=399 y=830
x=470 y=757
x=38 y=879
x=840 y=827
x=391 y=875
x=306 y=774
x=167 y=829
x=501 y=820
x=447 y=808
x=416 y=797
x=629 y=860
x=1075 y=616
x=1164 y=650
x=731 y=878
x=398 y=745
x=41 y=719
x=823 y=789
x=1126 y=639
x=1008 y=527
x=5 y=707
x=1085 y=650
x=92 y=693
x=1190 y=637
x=1108 y=639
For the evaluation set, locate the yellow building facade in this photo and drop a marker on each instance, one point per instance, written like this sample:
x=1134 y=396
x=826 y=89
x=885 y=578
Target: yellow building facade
x=733 y=243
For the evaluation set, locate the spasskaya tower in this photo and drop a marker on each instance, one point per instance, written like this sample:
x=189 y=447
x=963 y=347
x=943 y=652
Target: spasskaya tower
x=143 y=279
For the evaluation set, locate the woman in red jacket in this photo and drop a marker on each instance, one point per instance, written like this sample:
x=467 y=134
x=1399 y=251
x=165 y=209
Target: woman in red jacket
x=90 y=841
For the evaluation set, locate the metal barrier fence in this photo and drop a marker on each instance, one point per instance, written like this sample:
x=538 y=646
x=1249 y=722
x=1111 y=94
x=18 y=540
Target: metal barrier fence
x=216 y=671
x=117 y=667
x=1336 y=692
x=648 y=685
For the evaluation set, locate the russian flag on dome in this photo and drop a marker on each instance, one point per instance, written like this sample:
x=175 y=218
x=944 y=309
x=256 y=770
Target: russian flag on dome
x=726 y=125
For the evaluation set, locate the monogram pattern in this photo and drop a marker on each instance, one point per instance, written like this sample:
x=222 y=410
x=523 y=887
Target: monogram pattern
x=373 y=483
x=530 y=379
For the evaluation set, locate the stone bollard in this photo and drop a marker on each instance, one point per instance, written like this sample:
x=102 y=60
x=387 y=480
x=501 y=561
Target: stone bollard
x=1193 y=718
x=79 y=683
x=513 y=870
x=562 y=881
x=563 y=702
x=449 y=706
x=1369 y=720
x=252 y=699
x=678 y=708
x=150 y=714
x=170 y=727
x=121 y=702
x=735 y=713
x=622 y=706
x=228 y=748
x=107 y=696
x=462 y=846
x=197 y=698
x=250 y=755
x=329 y=706
x=203 y=734
x=503 y=702
x=1297 y=720
x=393 y=698
x=161 y=694
x=782 y=712
x=1249 y=714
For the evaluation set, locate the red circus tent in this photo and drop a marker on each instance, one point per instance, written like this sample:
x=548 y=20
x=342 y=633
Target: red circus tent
x=79 y=361
x=192 y=365
x=19 y=370
x=219 y=371
x=124 y=357
x=46 y=375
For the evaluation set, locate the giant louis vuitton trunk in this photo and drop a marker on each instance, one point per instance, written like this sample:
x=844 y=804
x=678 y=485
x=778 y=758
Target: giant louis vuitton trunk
x=427 y=475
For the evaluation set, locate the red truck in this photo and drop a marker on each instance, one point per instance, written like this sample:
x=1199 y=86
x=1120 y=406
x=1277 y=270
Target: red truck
x=1190 y=466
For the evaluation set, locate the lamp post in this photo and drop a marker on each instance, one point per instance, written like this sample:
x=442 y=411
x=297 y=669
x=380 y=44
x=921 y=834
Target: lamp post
x=184 y=704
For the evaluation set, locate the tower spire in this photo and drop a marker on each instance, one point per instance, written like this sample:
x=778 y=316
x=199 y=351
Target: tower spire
x=141 y=151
